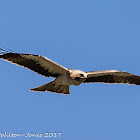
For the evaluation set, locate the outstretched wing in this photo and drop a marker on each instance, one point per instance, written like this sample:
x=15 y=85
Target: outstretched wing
x=112 y=76
x=37 y=63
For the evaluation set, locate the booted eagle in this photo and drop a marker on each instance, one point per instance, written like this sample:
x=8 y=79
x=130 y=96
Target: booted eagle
x=65 y=77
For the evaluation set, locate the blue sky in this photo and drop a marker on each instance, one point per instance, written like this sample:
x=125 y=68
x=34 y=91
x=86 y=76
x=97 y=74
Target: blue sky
x=86 y=35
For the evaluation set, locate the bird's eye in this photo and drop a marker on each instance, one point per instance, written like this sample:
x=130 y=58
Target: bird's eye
x=81 y=75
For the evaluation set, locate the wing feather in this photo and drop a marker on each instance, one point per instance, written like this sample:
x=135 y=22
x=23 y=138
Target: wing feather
x=37 y=63
x=112 y=76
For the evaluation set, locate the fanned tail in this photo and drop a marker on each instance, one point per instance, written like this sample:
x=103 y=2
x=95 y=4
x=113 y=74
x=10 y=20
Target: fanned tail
x=52 y=87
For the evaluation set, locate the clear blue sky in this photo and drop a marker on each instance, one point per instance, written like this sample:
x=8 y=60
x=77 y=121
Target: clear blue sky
x=87 y=35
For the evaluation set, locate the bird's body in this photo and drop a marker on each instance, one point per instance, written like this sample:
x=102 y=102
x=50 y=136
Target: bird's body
x=65 y=77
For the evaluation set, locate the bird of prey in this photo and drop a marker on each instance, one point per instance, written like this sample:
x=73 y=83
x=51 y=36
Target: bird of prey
x=65 y=77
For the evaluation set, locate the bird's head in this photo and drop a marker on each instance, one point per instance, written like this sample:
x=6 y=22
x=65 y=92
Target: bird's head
x=78 y=74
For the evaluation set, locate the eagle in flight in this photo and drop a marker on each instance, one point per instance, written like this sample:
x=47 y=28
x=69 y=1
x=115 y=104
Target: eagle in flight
x=65 y=77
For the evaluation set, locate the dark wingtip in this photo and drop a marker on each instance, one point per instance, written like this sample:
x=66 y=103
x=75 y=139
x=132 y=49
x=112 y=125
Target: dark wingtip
x=2 y=51
x=34 y=89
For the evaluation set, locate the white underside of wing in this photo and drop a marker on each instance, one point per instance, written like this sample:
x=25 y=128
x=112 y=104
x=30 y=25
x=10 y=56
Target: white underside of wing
x=107 y=72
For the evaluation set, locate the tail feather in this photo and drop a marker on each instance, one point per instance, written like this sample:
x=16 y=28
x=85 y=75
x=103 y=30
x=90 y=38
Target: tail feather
x=64 y=89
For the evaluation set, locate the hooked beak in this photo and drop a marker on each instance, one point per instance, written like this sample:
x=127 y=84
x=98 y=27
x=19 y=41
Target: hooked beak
x=83 y=77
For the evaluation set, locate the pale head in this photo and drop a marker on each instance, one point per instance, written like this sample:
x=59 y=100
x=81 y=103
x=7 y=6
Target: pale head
x=77 y=74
